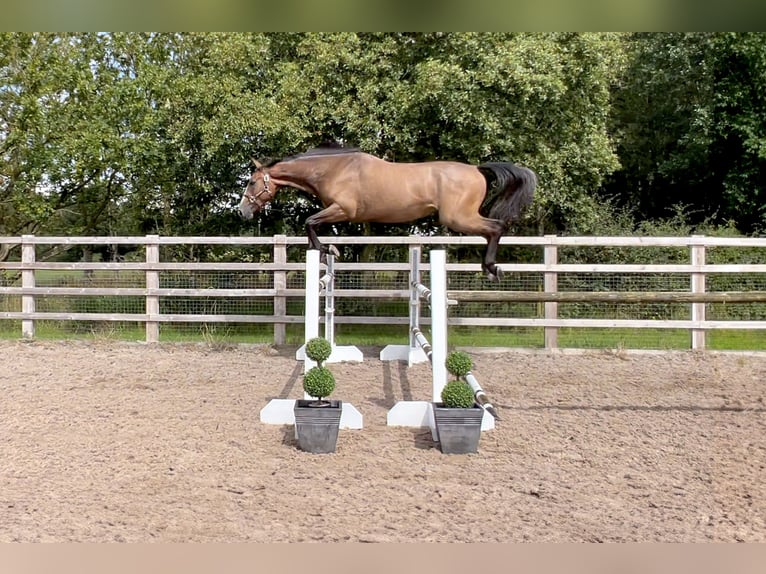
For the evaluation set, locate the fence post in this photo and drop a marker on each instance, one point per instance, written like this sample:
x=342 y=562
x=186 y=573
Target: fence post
x=27 y=281
x=152 y=282
x=280 y=284
x=551 y=285
x=698 y=286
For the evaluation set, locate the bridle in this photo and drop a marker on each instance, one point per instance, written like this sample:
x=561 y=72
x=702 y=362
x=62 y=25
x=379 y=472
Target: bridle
x=265 y=191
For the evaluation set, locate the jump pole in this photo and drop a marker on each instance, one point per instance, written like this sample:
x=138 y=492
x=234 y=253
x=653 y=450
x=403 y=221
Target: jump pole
x=280 y=411
x=420 y=413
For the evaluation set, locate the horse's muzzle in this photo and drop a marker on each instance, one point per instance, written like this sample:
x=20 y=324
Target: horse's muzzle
x=245 y=210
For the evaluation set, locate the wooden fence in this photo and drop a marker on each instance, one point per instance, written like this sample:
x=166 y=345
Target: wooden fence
x=20 y=274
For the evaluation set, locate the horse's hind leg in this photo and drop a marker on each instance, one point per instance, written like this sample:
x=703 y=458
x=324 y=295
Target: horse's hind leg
x=491 y=229
x=489 y=266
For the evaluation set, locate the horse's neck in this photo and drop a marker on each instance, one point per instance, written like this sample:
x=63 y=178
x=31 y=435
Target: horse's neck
x=307 y=173
x=292 y=175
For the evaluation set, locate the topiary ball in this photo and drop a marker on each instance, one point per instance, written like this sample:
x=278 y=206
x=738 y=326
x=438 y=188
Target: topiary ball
x=318 y=349
x=319 y=382
x=459 y=363
x=457 y=395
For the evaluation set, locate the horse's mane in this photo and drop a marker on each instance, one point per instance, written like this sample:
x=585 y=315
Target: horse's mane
x=326 y=148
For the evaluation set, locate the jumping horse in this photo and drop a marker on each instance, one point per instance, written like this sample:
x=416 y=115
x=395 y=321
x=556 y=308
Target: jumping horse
x=358 y=187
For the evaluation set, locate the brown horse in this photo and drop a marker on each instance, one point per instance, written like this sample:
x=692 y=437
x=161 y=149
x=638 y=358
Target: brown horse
x=358 y=187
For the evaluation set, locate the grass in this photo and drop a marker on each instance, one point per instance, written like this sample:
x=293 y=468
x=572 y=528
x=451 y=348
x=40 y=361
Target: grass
x=367 y=335
x=737 y=340
x=380 y=335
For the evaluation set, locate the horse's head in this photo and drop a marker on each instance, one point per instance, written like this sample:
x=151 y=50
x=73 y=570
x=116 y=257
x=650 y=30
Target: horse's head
x=259 y=192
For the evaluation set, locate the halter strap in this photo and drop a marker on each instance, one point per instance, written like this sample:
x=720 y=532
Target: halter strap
x=265 y=191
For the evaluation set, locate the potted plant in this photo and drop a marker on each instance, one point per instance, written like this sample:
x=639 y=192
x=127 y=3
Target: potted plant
x=458 y=417
x=317 y=419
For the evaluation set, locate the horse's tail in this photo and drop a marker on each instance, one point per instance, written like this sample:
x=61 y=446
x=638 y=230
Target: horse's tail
x=512 y=191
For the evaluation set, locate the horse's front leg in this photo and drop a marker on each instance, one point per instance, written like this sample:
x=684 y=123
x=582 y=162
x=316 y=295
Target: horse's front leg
x=332 y=214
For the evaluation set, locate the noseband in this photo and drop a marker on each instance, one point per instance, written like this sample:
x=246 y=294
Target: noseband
x=265 y=191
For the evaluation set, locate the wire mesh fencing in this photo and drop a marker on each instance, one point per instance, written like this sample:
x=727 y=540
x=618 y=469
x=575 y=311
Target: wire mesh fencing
x=590 y=292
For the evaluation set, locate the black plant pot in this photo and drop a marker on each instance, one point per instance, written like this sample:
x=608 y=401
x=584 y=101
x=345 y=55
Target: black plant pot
x=458 y=430
x=316 y=427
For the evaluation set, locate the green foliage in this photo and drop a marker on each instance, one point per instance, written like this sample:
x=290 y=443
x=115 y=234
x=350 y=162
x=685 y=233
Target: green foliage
x=140 y=133
x=319 y=382
x=689 y=124
x=457 y=395
x=133 y=133
x=459 y=363
x=318 y=349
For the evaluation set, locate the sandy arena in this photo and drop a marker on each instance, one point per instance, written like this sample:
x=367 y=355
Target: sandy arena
x=108 y=441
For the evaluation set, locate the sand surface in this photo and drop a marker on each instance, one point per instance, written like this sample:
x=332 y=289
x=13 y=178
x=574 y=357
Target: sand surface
x=108 y=441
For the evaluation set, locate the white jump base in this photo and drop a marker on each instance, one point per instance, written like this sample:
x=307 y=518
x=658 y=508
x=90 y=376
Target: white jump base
x=340 y=354
x=420 y=414
x=412 y=355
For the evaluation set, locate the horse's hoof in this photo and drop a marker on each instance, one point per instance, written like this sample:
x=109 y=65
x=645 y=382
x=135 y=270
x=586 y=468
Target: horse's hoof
x=328 y=250
x=494 y=273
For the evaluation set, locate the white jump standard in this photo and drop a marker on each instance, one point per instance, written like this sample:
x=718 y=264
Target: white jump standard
x=420 y=413
x=280 y=411
x=315 y=286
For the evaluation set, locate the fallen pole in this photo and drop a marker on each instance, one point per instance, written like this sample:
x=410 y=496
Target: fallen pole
x=479 y=396
x=423 y=342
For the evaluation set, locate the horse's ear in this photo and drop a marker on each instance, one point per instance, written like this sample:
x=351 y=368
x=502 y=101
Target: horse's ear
x=256 y=164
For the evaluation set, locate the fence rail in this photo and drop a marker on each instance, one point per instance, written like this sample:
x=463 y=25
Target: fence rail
x=21 y=291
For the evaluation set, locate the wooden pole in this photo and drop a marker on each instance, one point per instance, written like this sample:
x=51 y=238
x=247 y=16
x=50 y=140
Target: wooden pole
x=698 y=336
x=550 y=285
x=280 y=284
x=152 y=282
x=27 y=281
x=608 y=297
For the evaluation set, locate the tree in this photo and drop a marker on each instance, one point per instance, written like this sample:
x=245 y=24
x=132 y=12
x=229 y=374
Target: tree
x=690 y=129
x=72 y=129
x=29 y=101
x=539 y=99
x=141 y=133
x=739 y=148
